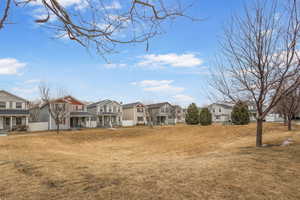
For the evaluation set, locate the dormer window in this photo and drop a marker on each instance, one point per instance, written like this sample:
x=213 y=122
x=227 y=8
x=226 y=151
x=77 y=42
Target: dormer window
x=19 y=105
x=2 y=104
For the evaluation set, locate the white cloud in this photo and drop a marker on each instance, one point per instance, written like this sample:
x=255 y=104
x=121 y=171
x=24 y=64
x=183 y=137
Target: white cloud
x=146 y=83
x=40 y=12
x=115 y=65
x=172 y=59
x=183 y=99
x=115 y=5
x=10 y=66
x=64 y=3
x=32 y=81
x=158 y=86
x=26 y=92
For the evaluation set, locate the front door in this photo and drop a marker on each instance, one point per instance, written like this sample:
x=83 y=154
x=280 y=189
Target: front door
x=6 y=123
x=1 y=123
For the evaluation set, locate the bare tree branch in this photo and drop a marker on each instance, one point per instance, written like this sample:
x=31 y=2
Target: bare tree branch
x=259 y=56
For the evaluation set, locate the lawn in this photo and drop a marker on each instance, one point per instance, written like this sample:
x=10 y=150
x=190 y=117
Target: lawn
x=172 y=162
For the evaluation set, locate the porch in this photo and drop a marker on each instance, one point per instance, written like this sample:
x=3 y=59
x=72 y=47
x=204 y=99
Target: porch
x=109 y=121
x=11 y=123
x=80 y=119
x=162 y=120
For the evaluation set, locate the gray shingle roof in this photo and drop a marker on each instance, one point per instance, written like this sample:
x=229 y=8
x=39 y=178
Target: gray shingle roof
x=80 y=114
x=130 y=105
x=157 y=105
x=14 y=112
x=101 y=102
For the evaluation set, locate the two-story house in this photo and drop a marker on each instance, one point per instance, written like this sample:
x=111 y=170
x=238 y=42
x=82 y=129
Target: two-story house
x=161 y=113
x=221 y=112
x=135 y=112
x=179 y=114
x=13 y=111
x=75 y=113
x=108 y=113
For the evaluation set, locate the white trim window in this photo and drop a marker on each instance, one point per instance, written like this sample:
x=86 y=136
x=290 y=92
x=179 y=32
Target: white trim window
x=19 y=105
x=2 y=105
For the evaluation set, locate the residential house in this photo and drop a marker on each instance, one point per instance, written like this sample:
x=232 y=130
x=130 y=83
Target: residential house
x=161 y=113
x=14 y=111
x=134 y=112
x=108 y=113
x=221 y=112
x=75 y=115
x=252 y=111
x=179 y=113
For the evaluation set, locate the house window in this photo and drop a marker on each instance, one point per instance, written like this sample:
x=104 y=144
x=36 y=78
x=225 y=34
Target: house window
x=119 y=110
x=10 y=104
x=2 y=104
x=140 y=109
x=63 y=121
x=219 y=109
x=213 y=110
x=105 y=108
x=114 y=109
x=19 y=105
x=217 y=117
x=109 y=110
x=18 y=121
x=140 y=119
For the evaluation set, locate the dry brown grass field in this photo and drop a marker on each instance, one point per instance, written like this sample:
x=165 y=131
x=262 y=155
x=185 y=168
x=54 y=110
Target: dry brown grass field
x=172 y=162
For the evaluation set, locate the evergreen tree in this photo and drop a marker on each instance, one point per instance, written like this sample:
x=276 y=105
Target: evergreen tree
x=240 y=114
x=205 y=117
x=192 y=116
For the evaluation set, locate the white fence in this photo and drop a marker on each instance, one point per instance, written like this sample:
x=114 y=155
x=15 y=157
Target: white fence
x=127 y=123
x=91 y=124
x=274 y=118
x=38 y=126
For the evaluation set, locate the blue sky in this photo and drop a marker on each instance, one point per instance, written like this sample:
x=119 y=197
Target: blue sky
x=175 y=69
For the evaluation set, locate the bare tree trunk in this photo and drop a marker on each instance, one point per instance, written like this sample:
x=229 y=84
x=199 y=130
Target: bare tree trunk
x=289 y=123
x=57 y=128
x=285 y=120
x=259 y=130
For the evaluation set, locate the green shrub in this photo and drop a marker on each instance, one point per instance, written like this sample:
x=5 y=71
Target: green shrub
x=192 y=116
x=240 y=114
x=205 y=117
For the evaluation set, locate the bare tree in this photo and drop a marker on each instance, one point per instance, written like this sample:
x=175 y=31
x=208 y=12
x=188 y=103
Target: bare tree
x=259 y=54
x=57 y=108
x=34 y=111
x=289 y=106
x=148 y=116
x=100 y=24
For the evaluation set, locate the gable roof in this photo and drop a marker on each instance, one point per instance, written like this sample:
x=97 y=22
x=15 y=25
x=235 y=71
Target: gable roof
x=158 y=105
x=8 y=93
x=102 y=102
x=131 y=105
x=71 y=100
x=228 y=106
x=67 y=99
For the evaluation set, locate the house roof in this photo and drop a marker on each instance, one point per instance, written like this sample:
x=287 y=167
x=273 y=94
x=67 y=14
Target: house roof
x=73 y=114
x=131 y=105
x=67 y=99
x=157 y=105
x=14 y=112
x=228 y=106
x=106 y=101
x=13 y=95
